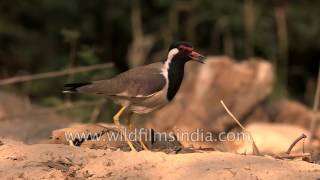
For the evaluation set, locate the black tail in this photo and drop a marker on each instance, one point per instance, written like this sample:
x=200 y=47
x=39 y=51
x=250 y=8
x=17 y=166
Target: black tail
x=72 y=87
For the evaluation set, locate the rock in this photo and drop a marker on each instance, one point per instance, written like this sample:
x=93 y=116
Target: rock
x=61 y=136
x=242 y=86
x=290 y=112
x=274 y=138
x=294 y=113
x=107 y=136
x=258 y=114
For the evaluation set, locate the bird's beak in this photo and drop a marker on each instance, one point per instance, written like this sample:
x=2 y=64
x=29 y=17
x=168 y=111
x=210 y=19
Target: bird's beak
x=197 y=57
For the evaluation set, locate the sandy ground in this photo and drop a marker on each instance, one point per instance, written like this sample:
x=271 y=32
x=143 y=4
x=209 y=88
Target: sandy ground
x=57 y=161
x=60 y=161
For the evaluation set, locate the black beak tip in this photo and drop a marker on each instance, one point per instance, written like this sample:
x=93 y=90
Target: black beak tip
x=197 y=57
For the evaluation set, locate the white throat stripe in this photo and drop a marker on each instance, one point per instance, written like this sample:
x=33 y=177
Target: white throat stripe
x=165 y=67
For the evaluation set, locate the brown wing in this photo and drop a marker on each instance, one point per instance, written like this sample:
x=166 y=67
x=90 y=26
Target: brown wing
x=137 y=82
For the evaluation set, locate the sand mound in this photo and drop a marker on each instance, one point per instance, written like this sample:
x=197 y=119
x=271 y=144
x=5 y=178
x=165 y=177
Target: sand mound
x=18 y=160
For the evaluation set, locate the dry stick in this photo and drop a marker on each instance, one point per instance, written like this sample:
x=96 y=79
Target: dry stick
x=292 y=156
x=315 y=118
x=295 y=142
x=255 y=148
x=54 y=73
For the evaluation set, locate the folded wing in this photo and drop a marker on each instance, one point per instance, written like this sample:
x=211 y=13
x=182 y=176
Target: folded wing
x=138 y=82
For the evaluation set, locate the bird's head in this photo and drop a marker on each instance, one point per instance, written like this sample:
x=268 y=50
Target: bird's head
x=183 y=51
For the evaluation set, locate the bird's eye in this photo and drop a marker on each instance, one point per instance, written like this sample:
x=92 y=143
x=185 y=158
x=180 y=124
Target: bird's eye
x=183 y=49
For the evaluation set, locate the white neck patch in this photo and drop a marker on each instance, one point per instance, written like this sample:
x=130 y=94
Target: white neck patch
x=165 y=67
x=166 y=64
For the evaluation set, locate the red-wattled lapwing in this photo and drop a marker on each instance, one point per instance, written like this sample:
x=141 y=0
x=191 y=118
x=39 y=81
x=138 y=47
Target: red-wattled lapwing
x=146 y=88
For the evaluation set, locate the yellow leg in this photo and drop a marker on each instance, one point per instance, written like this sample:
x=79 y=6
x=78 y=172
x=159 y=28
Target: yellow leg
x=116 y=120
x=130 y=126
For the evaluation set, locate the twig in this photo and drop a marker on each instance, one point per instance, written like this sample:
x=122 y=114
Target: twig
x=254 y=146
x=292 y=156
x=315 y=118
x=295 y=142
x=233 y=117
x=54 y=73
x=317 y=95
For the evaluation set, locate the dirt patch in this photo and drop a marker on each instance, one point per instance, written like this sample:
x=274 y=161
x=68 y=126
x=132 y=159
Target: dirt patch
x=18 y=160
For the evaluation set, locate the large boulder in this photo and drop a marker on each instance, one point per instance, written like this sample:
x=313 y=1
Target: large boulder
x=241 y=85
x=290 y=112
x=274 y=138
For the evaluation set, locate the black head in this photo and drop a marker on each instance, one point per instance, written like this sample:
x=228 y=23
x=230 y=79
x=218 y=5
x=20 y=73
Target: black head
x=186 y=52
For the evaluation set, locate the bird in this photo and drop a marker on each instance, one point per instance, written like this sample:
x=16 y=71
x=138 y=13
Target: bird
x=143 y=89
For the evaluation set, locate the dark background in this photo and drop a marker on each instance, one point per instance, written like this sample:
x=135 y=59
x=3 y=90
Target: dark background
x=47 y=35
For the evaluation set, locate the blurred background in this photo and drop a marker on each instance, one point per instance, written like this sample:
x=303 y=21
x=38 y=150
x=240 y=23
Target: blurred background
x=40 y=36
